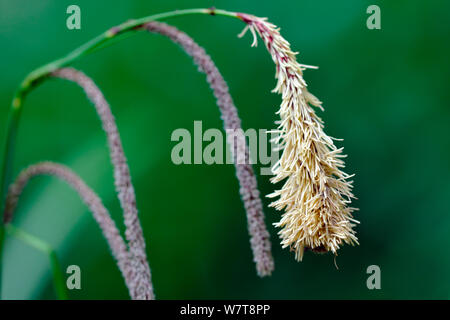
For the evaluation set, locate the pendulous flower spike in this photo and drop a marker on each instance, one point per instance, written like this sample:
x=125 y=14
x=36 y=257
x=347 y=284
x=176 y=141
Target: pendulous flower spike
x=141 y=286
x=316 y=193
x=90 y=198
x=259 y=236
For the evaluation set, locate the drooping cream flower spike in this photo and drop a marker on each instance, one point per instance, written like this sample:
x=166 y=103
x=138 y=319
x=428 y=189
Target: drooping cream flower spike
x=316 y=194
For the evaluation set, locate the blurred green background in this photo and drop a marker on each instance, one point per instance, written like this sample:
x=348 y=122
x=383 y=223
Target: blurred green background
x=385 y=93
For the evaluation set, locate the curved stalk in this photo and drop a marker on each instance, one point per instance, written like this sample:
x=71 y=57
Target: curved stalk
x=40 y=245
x=37 y=76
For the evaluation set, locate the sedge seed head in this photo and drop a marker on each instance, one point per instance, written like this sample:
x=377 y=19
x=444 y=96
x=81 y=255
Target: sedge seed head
x=316 y=193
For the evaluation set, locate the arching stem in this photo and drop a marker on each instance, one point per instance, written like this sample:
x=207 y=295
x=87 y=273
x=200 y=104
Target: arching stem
x=40 y=245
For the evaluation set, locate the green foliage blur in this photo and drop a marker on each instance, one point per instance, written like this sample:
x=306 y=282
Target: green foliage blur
x=385 y=93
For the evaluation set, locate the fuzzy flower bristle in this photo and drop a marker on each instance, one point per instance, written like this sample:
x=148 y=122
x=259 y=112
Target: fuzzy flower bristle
x=316 y=193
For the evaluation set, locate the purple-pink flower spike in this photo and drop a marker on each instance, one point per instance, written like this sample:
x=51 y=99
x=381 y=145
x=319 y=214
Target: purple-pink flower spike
x=259 y=236
x=90 y=198
x=141 y=285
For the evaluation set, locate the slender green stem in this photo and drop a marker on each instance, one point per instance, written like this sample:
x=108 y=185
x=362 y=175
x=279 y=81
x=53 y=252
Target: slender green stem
x=38 y=75
x=38 y=244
